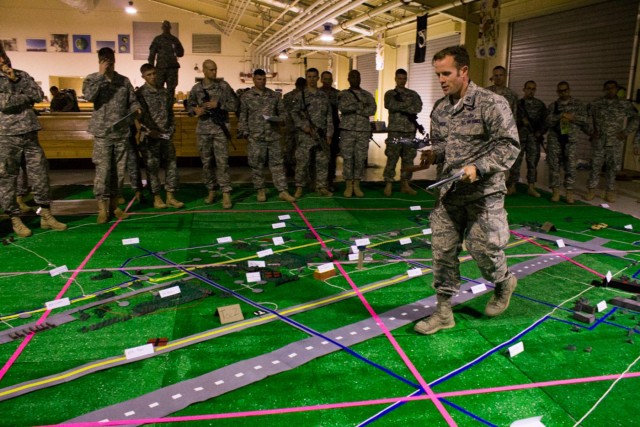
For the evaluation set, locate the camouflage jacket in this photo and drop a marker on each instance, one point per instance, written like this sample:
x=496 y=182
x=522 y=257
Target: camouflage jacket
x=333 y=93
x=555 y=111
x=400 y=103
x=315 y=109
x=510 y=95
x=218 y=90
x=609 y=117
x=479 y=130
x=356 y=106
x=112 y=101
x=255 y=109
x=166 y=48
x=535 y=112
x=17 y=116
x=157 y=110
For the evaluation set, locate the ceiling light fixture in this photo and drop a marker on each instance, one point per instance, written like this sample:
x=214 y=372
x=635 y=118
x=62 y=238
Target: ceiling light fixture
x=327 y=33
x=131 y=10
x=283 y=55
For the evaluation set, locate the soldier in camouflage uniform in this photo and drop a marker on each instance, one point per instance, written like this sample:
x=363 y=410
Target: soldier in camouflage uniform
x=312 y=115
x=609 y=116
x=114 y=102
x=19 y=140
x=481 y=139
x=332 y=93
x=260 y=117
x=166 y=48
x=157 y=126
x=356 y=105
x=211 y=101
x=565 y=118
x=291 y=134
x=531 y=116
x=403 y=105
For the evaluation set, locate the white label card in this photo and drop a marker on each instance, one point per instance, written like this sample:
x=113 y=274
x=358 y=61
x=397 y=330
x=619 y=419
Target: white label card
x=353 y=257
x=528 y=422
x=628 y=227
x=143 y=350
x=609 y=276
x=604 y=205
x=476 y=289
x=226 y=239
x=560 y=243
x=131 y=241
x=279 y=225
x=283 y=217
x=257 y=263
x=405 y=241
x=278 y=241
x=265 y=253
x=414 y=272
x=416 y=208
x=325 y=267
x=601 y=306
x=426 y=231
x=516 y=349
x=362 y=242
x=354 y=249
x=57 y=303
x=254 y=277
x=174 y=290
x=58 y=270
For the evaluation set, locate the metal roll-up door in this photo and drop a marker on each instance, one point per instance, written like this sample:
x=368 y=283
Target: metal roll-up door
x=422 y=78
x=584 y=46
x=369 y=75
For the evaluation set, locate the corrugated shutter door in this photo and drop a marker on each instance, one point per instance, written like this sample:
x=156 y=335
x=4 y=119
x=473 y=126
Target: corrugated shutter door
x=585 y=47
x=423 y=80
x=369 y=75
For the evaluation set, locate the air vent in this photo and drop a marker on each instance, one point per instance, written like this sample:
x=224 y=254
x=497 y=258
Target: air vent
x=206 y=43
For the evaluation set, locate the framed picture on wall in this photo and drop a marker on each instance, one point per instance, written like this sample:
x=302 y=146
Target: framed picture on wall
x=124 y=43
x=59 y=43
x=9 y=45
x=81 y=43
x=36 y=45
x=106 y=43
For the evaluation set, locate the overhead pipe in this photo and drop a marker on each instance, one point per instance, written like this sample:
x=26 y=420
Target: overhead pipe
x=284 y=12
x=333 y=48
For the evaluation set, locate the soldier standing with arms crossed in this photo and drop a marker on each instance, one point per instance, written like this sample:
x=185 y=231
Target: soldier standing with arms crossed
x=481 y=140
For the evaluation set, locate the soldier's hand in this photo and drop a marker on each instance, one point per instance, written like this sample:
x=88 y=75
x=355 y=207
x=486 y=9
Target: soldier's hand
x=104 y=66
x=470 y=173
x=306 y=129
x=11 y=74
x=199 y=111
x=211 y=104
x=427 y=158
x=569 y=116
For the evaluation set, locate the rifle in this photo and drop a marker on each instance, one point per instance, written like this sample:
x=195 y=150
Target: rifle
x=425 y=143
x=413 y=118
x=317 y=134
x=218 y=116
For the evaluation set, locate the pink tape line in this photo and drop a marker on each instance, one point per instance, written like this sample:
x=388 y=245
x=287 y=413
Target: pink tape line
x=379 y=322
x=44 y=316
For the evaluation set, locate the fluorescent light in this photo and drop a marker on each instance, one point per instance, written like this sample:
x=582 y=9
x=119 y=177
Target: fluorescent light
x=283 y=55
x=130 y=9
x=327 y=34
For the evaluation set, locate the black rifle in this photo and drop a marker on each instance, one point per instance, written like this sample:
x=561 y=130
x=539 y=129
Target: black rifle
x=317 y=134
x=417 y=143
x=413 y=118
x=217 y=115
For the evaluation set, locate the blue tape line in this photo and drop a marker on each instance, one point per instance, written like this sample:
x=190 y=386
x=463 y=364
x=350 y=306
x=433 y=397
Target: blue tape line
x=464 y=411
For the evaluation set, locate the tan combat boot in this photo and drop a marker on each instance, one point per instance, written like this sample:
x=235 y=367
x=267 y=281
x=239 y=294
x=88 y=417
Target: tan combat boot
x=115 y=209
x=555 y=197
x=298 y=193
x=324 y=192
x=531 y=190
x=501 y=296
x=226 y=200
x=405 y=188
x=24 y=208
x=211 y=197
x=442 y=318
x=356 y=188
x=610 y=196
x=48 y=221
x=590 y=194
x=262 y=196
x=388 y=189
x=120 y=199
x=173 y=202
x=511 y=189
x=138 y=196
x=348 y=191
x=286 y=197
x=103 y=213
x=570 y=199
x=19 y=228
x=158 y=203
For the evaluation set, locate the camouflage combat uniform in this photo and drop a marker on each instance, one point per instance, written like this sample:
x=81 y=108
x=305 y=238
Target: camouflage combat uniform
x=19 y=137
x=609 y=121
x=290 y=133
x=166 y=48
x=480 y=130
x=356 y=106
x=510 y=95
x=156 y=133
x=318 y=112
x=213 y=144
x=534 y=111
x=562 y=139
x=332 y=93
x=262 y=135
x=400 y=102
x=112 y=101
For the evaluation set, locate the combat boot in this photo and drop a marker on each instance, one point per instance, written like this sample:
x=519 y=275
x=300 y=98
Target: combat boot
x=19 y=228
x=115 y=209
x=610 y=196
x=24 y=208
x=324 y=192
x=226 y=200
x=388 y=189
x=262 y=196
x=590 y=194
x=532 y=191
x=501 y=296
x=286 y=197
x=211 y=197
x=298 y=193
x=356 y=188
x=511 y=189
x=48 y=221
x=103 y=213
x=442 y=318
x=555 y=197
x=348 y=191
x=173 y=202
x=138 y=196
x=405 y=188
x=570 y=199
x=120 y=199
x=158 y=203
